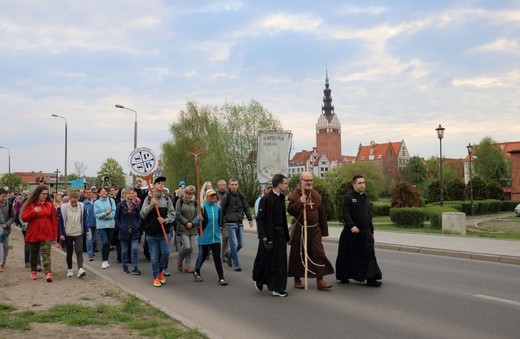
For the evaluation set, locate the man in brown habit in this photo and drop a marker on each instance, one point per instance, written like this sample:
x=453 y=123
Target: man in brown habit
x=317 y=263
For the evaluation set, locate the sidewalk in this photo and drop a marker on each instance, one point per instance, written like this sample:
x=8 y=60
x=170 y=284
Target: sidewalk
x=485 y=249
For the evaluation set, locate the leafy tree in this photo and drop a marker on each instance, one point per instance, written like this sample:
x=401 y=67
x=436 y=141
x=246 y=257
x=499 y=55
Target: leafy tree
x=490 y=163
x=415 y=171
x=480 y=189
x=72 y=176
x=111 y=168
x=455 y=190
x=12 y=181
x=406 y=195
x=434 y=192
x=495 y=190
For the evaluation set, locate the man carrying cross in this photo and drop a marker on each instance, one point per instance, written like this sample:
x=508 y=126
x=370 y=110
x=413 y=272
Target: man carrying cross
x=316 y=220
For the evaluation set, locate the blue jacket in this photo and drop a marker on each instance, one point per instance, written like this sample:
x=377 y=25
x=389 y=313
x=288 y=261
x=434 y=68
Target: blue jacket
x=129 y=222
x=88 y=214
x=103 y=220
x=211 y=220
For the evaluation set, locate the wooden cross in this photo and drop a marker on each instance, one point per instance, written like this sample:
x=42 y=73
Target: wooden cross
x=310 y=203
x=195 y=153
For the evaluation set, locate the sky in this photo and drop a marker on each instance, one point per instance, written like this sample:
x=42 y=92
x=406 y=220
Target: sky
x=397 y=69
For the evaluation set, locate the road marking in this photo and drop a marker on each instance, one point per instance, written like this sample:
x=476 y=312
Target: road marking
x=507 y=301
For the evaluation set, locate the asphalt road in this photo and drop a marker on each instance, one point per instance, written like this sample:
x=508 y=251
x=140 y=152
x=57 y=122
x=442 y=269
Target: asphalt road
x=421 y=296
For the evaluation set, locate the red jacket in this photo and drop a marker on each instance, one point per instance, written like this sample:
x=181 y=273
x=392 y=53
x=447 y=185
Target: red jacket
x=43 y=225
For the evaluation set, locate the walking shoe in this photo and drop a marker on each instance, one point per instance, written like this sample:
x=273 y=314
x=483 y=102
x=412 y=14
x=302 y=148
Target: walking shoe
x=125 y=269
x=34 y=275
x=179 y=266
x=259 y=287
x=69 y=273
x=322 y=284
x=228 y=259
x=81 y=273
x=157 y=282
x=135 y=271
x=90 y=258
x=104 y=265
x=48 y=277
x=222 y=282
x=238 y=269
x=279 y=293
x=166 y=273
x=298 y=284
x=373 y=283
x=197 y=277
x=188 y=269
x=162 y=279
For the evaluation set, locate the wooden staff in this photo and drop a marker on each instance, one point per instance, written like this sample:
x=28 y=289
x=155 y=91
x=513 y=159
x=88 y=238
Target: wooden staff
x=195 y=153
x=305 y=236
x=150 y=191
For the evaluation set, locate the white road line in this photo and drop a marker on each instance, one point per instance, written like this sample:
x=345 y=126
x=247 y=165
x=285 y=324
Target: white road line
x=507 y=301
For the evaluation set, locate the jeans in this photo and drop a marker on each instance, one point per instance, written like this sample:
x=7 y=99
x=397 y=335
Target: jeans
x=133 y=243
x=159 y=253
x=235 y=234
x=74 y=244
x=91 y=239
x=4 y=248
x=105 y=234
x=188 y=248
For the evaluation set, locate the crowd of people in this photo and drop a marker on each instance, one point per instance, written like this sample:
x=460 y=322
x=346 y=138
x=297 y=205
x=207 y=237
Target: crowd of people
x=198 y=225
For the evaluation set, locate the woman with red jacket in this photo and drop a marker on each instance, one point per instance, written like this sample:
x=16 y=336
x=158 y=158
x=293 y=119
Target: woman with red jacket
x=42 y=228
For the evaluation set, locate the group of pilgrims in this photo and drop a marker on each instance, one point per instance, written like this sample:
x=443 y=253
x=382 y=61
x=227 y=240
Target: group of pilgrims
x=210 y=224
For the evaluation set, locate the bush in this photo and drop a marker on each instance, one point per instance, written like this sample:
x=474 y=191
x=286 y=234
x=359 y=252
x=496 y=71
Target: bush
x=434 y=190
x=382 y=209
x=408 y=217
x=482 y=207
x=495 y=191
x=406 y=195
x=455 y=190
x=480 y=191
x=509 y=205
x=434 y=214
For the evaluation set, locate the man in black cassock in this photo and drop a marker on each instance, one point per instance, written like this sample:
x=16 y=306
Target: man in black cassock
x=356 y=255
x=270 y=267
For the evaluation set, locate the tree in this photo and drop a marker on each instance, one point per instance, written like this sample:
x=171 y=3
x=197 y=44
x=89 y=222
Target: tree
x=80 y=169
x=455 y=190
x=434 y=192
x=490 y=162
x=406 y=195
x=495 y=191
x=415 y=171
x=12 y=181
x=480 y=189
x=111 y=168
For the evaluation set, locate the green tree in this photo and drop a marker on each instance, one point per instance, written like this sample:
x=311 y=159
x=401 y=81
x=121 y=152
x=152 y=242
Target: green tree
x=480 y=189
x=12 y=181
x=455 y=190
x=415 y=171
x=495 y=191
x=490 y=162
x=111 y=168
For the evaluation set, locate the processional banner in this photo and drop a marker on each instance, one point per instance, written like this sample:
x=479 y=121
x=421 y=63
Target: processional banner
x=273 y=154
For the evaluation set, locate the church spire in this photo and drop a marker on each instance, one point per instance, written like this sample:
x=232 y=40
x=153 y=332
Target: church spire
x=327 y=109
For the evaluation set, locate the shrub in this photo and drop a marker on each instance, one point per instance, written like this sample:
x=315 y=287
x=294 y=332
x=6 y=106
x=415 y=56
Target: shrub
x=495 y=191
x=406 y=195
x=408 y=217
x=434 y=192
x=455 y=190
x=509 y=205
x=381 y=209
x=482 y=207
x=434 y=214
x=480 y=191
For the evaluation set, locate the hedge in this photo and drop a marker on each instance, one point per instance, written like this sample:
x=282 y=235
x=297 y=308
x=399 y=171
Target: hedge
x=382 y=209
x=434 y=214
x=408 y=217
x=509 y=205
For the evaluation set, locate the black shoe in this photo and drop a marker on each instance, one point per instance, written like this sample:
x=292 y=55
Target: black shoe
x=279 y=293
x=222 y=282
x=374 y=283
x=258 y=286
x=229 y=261
x=135 y=271
x=125 y=269
x=238 y=269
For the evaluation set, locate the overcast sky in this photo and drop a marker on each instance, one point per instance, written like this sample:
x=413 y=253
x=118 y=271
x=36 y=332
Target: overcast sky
x=397 y=70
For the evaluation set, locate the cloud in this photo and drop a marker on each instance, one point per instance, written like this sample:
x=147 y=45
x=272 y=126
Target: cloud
x=217 y=6
x=372 y=10
x=480 y=82
x=500 y=45
x=215 y=50
x=289 y=22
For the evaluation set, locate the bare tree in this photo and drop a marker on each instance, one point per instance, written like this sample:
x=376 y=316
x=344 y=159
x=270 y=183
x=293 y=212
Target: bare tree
x=80 y=169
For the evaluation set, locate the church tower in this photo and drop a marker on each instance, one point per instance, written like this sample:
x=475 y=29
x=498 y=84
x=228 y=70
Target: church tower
x=328 y=128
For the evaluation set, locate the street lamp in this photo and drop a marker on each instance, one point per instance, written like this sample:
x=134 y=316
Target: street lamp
x=8 y=162
x=135 y=128
x=59 y=116
x=440 y=135
x=470 y=152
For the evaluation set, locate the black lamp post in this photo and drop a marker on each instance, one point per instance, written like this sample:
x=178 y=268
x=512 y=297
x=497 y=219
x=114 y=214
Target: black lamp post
x=59 y=116
x=470 y=152
x=440 y=135
x=135 y=128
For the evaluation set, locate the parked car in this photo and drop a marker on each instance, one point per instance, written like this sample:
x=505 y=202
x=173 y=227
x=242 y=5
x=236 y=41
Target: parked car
x=517 y=210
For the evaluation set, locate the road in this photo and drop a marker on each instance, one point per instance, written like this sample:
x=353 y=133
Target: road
x=422 y=296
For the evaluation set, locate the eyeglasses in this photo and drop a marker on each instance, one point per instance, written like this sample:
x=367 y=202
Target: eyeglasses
x=307 y=180
x=44 y=193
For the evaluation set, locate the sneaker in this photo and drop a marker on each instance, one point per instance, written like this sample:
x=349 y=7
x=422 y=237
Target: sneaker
x=81 y=273
x=48 y=277
x=162 y=279
x=104 y=265
x=34 y=275
x=259 y=287
x=188 y=269
x=222 y=282
x=157 y=282
x=90 y=258
x=197 y=277
x=166 y=273
x=238 y=269
x=179 y=266
x=135 y=271
x=69 y=273
x=279 y=293
x=125 y=269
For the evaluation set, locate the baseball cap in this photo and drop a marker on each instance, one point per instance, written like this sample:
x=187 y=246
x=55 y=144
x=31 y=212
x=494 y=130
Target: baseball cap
x=210 y=192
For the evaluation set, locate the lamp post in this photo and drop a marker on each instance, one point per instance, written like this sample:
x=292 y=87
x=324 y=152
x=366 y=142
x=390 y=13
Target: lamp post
x=440 y=135
x=135 y=128
x=470 y=152
x=59 y=116
x=8 y=163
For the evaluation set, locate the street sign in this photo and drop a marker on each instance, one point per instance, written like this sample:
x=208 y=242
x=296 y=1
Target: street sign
x=143 y=161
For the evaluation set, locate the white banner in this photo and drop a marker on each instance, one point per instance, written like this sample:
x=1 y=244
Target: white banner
x=273 y=154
